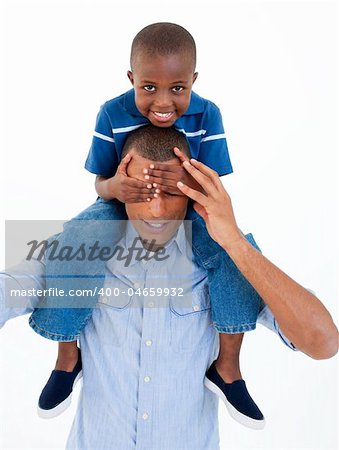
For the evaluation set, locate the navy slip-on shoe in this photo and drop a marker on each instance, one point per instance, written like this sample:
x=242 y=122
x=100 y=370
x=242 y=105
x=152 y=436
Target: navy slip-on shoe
x=56 y=396
x=238 y=401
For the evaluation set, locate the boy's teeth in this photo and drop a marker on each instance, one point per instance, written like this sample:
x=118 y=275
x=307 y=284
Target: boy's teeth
x=162 y=114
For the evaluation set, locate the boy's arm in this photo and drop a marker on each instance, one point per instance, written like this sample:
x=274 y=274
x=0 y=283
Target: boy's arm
x=301 y=316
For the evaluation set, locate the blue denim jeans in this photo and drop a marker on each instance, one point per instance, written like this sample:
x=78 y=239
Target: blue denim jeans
x=234 y=302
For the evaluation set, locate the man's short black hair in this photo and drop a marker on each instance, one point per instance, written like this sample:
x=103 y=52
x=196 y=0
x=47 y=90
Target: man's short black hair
x=155 y=143
x=163 y=38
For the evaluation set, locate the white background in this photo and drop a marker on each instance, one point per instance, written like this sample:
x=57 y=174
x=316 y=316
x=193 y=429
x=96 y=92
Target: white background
x=272 y=69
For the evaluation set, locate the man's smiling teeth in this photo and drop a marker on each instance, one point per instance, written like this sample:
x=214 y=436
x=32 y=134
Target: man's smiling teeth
x=155 y=225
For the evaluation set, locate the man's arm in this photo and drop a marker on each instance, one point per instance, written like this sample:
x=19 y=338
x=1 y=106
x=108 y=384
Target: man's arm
x=301 y=316
x=25 y=278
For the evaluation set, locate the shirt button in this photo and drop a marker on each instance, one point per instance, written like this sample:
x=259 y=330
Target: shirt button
x=151 y=304
x=145 y=416
x=136 y=285
x=147 y=379
x=104 y=299
x=196 y=308
x=149 y=343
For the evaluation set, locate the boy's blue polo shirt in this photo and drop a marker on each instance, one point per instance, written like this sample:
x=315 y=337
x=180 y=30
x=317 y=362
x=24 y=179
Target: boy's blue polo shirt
x=201 y=123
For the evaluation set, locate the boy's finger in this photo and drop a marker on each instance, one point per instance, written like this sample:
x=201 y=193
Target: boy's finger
x=155 y=180
x=122 y=168
x=139 y=198
x=135 y=183
x=161 y=174
x=163 y=167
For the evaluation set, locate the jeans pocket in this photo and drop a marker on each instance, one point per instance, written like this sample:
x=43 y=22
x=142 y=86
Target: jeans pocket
x=191 y=324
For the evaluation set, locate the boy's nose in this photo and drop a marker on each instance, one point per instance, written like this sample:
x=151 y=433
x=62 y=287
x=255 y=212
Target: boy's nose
x=163 y=100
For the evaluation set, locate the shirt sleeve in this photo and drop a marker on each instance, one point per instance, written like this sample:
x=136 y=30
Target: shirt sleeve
x=267 y=319
x=213 y=147
x=102 y=158
x=19 y=289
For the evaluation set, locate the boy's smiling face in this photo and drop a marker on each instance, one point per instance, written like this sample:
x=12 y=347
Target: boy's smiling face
x=162 y=86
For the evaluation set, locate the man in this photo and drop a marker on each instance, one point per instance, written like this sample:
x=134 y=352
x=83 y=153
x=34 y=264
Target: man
x=145 y=358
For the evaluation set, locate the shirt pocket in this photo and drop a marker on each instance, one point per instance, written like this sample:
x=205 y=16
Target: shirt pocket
x=114 y=315
x=191 y=324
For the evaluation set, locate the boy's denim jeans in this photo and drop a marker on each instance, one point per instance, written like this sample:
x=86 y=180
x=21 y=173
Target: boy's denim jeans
x=234 y=302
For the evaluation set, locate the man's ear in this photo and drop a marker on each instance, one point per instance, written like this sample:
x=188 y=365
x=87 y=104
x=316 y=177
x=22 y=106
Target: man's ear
x=195 y=76
x=130 y=77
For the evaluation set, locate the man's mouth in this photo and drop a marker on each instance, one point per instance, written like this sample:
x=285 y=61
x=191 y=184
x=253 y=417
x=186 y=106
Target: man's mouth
x=163 y=116
x=155 y=226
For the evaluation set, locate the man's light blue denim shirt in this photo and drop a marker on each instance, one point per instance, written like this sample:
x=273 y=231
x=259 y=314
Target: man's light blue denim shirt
x=144 y=358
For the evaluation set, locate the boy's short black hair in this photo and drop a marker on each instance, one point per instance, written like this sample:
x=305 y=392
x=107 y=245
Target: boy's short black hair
x=163 y=38
x=156 y=143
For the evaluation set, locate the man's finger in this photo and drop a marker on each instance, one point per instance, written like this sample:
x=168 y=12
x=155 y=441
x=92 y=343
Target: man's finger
x=204 y=181
x=181 y=155
x=194 y=195
x=210 y=173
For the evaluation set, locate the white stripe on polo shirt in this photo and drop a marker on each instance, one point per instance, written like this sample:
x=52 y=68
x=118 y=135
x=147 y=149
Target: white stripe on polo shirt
x=191 y=133
x=214 y=137
x=103 y=137
x=127 y=129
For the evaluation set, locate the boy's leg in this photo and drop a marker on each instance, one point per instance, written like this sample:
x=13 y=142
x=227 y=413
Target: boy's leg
x=61 y=322
x=67 y=356
x=235 y=307
x=227 y=363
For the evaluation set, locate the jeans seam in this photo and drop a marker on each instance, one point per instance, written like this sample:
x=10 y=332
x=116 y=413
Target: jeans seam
x=44 y=333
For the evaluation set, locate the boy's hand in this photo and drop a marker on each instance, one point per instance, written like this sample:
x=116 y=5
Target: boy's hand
x=125 y=188
x=165 y=177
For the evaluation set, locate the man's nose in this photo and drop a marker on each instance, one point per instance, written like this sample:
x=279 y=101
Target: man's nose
x=158 y=207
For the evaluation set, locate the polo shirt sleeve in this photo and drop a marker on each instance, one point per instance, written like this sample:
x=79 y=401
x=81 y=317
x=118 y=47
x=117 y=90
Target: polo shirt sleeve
x=213 y=146
x=102 y=158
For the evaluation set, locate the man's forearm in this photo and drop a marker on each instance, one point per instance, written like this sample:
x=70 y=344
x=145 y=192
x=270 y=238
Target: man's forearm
x=301 y=316
x=16 y=284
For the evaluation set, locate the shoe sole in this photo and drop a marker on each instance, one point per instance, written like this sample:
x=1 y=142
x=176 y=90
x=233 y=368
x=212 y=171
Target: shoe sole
x=61 y=407
x=234 y=413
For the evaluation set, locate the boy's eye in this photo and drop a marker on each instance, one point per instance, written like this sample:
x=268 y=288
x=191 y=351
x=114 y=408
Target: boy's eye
x=177 y=88
x=149 y=88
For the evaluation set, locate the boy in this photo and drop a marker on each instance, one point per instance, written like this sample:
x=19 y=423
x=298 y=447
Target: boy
x=163 y=59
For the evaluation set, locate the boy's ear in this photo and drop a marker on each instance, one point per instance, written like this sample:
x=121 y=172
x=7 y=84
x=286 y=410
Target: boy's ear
x=130 y=77
x=195 y=76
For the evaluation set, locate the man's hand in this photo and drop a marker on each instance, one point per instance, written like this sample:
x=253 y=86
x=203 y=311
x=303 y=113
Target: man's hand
x=123 y=187
x=214 y=205
x=302 y=317
x=165 y=177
